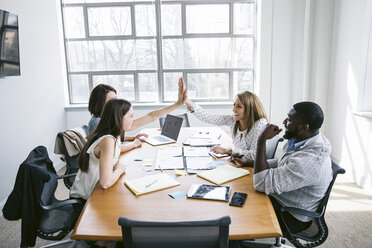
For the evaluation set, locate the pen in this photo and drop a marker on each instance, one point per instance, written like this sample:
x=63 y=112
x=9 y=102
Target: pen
x=148 y=185
x=160 y=168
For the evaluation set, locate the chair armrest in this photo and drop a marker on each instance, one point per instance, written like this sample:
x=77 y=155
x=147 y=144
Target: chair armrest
x=303 y=212
x=67 y=175
x=61 y=204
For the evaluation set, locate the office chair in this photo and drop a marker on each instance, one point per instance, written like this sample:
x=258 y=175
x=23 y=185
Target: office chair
x=271 y=146
x=317 y=233
x=32 y=200
x=194 y=234
x=71 y=155
x=58 y=217
x=185 y=123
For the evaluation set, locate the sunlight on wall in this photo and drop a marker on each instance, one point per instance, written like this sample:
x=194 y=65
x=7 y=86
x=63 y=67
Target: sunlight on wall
x=357 y=138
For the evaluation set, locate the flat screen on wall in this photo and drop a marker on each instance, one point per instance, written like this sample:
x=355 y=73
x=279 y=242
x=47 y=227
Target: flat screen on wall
x=9 y=44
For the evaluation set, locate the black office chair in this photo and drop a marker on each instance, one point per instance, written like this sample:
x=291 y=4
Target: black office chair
x=317 y=233
x=271 y=146
x=58 y=217
x=192 y=234
x=72 y=165
x=32 y=200
x=185 y=123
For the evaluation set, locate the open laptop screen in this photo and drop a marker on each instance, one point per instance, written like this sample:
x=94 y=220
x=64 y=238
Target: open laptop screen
x=172 y=126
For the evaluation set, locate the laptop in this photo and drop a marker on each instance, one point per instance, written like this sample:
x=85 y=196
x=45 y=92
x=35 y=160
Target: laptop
x=169 y=133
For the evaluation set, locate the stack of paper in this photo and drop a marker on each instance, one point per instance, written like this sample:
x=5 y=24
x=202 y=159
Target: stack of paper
x=223 y=174
x=150 y=183
x=201 y=142
x=203 y=139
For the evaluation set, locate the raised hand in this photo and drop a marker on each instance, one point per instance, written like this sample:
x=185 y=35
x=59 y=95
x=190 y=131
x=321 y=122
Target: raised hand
x=182 y=92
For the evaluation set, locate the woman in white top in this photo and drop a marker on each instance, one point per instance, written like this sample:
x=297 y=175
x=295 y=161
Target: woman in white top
x=99 y=158
x=246 y=124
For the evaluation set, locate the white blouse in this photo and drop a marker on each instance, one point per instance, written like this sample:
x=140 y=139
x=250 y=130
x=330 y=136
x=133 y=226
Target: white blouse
x=86 y=181
x=244 y=142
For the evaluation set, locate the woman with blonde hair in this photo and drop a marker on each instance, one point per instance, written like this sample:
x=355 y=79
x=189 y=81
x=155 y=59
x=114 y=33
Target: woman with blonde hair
x=246 y=124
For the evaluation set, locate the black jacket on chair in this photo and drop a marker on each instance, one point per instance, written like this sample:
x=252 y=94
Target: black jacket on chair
x=23 y=201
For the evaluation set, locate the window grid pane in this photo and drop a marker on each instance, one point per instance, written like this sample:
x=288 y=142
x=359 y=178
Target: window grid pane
x=215 y=53
x=109 y=21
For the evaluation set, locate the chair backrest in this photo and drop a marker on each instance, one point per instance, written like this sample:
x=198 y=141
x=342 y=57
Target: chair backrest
x=47 y=195
x=72 y=165
x=336 y=170
x=57 y=217
x=271 y=146
x=196 y=234
x=185 y=123
x=318 y=231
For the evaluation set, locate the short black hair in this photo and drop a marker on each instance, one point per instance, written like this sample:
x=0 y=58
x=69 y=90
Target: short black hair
x=310 y=113
x=97 y=99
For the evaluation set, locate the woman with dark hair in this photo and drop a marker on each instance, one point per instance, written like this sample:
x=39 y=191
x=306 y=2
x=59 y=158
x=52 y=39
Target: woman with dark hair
x=99 y=158
x=99 y=96
x=246 y=123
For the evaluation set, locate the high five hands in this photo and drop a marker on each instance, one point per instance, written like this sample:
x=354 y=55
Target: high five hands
x=182 y=92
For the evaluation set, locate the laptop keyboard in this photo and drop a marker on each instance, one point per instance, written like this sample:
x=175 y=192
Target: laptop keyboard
x=161 y=138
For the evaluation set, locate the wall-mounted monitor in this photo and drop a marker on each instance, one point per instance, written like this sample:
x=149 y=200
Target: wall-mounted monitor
x=9 y=44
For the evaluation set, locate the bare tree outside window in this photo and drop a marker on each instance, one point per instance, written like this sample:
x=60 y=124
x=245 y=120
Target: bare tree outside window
x=142 y=47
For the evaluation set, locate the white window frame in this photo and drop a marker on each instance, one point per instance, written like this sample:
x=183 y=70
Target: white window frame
x=160 y=70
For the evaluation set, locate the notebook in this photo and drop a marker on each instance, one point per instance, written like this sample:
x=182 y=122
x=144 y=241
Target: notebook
x=209 y=192
x=150 y=183
x=169 y=133
x=223 y=174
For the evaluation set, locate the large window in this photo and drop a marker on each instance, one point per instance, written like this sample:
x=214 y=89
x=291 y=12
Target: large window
x=141 y=48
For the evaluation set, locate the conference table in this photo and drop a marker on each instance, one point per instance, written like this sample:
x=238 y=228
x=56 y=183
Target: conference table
x=99 y=217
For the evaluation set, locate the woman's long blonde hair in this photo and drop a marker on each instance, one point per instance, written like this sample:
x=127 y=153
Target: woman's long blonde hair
x=253 y=110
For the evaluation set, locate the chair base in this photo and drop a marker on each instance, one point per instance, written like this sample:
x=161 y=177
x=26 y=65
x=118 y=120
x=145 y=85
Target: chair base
x=255 y=244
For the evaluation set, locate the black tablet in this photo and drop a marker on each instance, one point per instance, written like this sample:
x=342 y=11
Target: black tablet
x=209 y=192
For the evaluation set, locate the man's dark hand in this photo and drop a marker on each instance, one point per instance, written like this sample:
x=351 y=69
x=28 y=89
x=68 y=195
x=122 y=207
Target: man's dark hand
x=239 y=160
x=270 y=131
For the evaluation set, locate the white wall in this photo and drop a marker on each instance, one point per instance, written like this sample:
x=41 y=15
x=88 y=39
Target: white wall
x=33 y=103
x=350 y=134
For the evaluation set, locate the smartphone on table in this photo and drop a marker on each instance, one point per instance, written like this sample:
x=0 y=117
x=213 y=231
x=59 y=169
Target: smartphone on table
x=238 y=199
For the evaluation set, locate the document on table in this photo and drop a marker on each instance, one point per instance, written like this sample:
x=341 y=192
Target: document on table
x=195 y=142
x=166 y=163
x=150 y=183
x=198 y=163
x=195 y=152
x=170 y=151
x=223 y=174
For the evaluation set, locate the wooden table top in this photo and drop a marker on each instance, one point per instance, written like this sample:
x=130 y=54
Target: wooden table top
x=99 y=218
